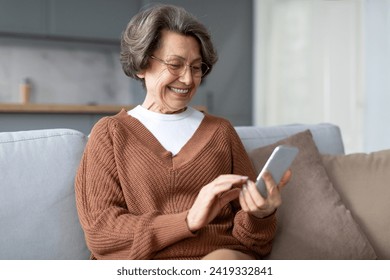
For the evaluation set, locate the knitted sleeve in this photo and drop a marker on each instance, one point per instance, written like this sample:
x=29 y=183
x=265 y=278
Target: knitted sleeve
x=256 y=234
x=110 y=230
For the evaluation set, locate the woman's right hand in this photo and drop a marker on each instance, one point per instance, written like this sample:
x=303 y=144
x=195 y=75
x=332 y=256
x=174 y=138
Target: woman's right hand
x=212 y=198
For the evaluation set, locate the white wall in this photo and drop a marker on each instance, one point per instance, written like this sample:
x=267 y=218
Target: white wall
x=377 y=74
x=325 y=61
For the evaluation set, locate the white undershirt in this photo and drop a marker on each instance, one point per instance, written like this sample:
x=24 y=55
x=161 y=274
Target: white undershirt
x=172 y=130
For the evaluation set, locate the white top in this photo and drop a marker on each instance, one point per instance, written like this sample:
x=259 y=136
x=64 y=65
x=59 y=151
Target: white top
x=172 y=130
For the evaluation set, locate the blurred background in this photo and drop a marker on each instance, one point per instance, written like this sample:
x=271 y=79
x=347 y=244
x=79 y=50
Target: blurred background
x=280 y=62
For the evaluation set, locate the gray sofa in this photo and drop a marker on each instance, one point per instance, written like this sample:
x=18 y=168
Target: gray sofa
x=38 y=218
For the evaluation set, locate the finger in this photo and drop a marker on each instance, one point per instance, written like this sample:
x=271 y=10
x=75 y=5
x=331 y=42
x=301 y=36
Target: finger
x=257 y=198
x=225 y=182
x=274 y=195
x=286 y=178
x=209 y=193
x=250 y=202
x=230 y=179
x=229 y=196
x=269 y=182
x=243 y=204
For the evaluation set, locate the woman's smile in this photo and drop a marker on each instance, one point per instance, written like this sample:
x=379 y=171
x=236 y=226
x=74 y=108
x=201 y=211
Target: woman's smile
x=179 y=90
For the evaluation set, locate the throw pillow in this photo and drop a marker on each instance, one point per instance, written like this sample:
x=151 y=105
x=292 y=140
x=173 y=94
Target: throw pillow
x=313 y=221
x=363 y=182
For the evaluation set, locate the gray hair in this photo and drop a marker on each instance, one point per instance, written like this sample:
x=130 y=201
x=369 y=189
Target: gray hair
x=143 y=34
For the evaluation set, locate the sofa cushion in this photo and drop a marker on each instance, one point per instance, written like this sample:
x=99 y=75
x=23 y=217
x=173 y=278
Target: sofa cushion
x=363 y=182
x=38 y=217
x=313 y=221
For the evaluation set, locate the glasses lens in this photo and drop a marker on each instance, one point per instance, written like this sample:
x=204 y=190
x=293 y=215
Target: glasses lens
x=199 y=69
x=196 y=70
x=177 y=67
x=205 y=69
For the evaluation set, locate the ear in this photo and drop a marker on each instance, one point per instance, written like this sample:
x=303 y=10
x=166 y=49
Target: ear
x=141 y=75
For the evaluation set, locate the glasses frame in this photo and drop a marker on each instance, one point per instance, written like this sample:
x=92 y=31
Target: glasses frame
x=169 y=65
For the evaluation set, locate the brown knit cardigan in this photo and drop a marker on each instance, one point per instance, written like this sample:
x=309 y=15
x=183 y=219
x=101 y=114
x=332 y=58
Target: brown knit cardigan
x=133 y=196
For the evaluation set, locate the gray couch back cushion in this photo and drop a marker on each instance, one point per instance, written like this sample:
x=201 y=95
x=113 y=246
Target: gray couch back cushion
x=327 y=137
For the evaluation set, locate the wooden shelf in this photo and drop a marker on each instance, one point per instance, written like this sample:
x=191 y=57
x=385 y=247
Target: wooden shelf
x=62 y=108
x=66 y=108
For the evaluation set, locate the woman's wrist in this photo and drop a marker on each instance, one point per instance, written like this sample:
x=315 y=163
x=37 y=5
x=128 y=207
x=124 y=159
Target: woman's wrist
x=263 y=215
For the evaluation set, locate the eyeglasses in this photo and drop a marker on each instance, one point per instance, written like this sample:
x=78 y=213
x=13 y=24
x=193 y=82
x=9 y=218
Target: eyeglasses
x=176 y=66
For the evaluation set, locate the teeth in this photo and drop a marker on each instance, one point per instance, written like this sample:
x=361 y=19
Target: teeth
x=178 y=90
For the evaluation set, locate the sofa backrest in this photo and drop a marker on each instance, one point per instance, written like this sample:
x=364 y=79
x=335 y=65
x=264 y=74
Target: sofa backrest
x=326 y=136
x=38 y=217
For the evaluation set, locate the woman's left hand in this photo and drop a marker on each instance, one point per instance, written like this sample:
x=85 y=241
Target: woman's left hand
x=253 y=203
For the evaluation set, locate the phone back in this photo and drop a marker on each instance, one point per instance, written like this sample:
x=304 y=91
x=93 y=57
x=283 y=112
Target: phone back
x=277 y=164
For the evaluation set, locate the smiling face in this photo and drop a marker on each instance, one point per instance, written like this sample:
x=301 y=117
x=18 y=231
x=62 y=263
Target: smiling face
x=167 y=93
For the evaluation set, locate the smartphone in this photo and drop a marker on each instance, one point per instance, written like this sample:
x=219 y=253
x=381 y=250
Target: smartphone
x=277 y=164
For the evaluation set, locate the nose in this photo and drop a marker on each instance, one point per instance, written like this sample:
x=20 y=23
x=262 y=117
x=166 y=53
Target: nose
x=186 y=77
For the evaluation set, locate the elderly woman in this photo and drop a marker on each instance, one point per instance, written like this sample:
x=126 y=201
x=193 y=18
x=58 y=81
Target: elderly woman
x=163 y=180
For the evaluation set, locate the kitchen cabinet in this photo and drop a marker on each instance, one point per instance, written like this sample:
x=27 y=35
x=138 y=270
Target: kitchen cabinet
x=93 y=19
x=23 y=16
x=86 y=20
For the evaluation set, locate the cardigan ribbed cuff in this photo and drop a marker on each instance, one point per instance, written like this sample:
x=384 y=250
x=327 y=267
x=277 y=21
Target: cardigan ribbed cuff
x=253 y=224
x=169 y=229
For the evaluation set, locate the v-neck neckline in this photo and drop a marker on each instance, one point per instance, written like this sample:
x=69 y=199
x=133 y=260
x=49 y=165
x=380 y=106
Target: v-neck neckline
x=187 y=153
